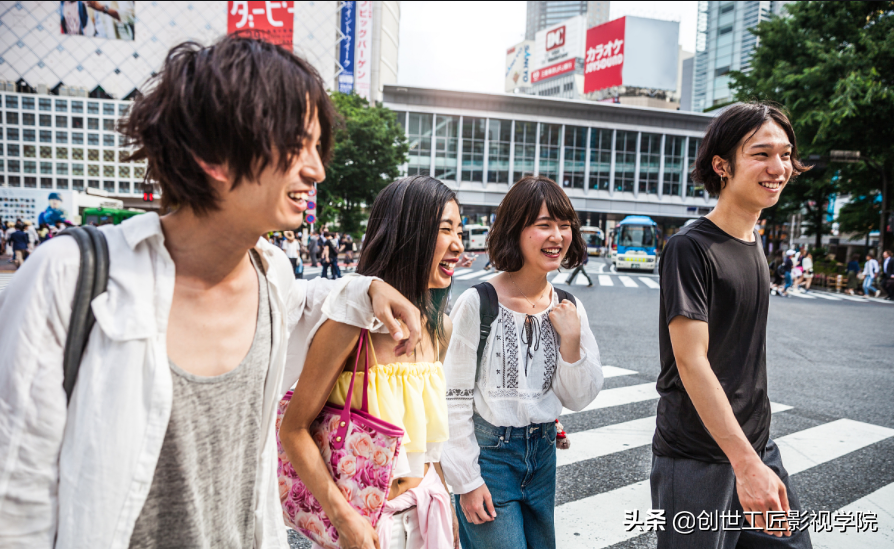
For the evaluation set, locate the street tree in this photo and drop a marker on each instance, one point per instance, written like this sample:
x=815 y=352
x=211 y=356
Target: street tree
x=369 y=146
x=831 y=64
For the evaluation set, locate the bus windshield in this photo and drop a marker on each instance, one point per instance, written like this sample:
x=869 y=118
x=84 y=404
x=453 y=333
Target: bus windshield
x=593 y=240
x=637 y=236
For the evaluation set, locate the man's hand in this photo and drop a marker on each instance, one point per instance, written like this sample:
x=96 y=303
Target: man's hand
x=761 y=490
x=477 y=505
x=389 y=306
x=465 y=261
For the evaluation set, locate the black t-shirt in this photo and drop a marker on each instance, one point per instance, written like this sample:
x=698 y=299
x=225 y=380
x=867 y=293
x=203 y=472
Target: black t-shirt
x=711 y=276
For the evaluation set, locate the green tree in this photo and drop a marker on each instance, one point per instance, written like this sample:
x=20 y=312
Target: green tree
x=368 y=147
x=831 y=64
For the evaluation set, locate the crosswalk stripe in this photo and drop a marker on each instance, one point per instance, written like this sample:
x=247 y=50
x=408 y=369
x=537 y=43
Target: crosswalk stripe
x=618 y=437
x=581 y=280
x=461 y=271
x=597 y=521
x=614 y=371
x=853 y=298
x=560 y=278
x=605 y=280
x=802 y=296
x=650 y=283
x=490 y=276
x=627 y=282
x=880 y=502
x=824 y=296
x=472 y=275
x=621 y=395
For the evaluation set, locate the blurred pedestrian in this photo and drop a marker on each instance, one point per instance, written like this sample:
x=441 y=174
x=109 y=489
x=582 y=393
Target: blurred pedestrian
x=33 y=237
x=807 y=270
x=853 y=273
x=888 y=274
x=313 y=248
x=292 y=247
x=21 y=244
x=580 y=269
x=870 y=271
x=787 y=266
x=776 y=274
x=349 y=251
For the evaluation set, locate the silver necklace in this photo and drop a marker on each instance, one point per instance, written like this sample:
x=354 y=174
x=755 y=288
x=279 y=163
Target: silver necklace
x=523 y=293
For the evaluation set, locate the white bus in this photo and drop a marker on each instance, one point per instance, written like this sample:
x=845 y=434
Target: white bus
x=595 y=240
x=475 y=237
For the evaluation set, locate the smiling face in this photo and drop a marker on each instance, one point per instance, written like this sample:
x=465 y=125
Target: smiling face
x=763 y=168
x=448 y=247
x=545 y=242
x=277 y=200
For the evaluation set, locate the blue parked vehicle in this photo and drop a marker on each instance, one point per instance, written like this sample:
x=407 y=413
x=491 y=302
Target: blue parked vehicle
x=635 y=244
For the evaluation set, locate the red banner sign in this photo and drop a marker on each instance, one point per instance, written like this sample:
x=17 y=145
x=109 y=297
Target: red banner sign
x=552 y=70
x=271 y=21
x=604 y=62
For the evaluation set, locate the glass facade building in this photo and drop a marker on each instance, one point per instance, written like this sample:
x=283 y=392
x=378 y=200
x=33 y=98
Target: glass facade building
x=612 y=159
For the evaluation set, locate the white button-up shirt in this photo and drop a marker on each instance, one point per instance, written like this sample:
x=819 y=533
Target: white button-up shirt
x=78 y=475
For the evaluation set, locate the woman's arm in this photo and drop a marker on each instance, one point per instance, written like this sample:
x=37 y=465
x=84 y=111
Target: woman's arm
x=330 y=348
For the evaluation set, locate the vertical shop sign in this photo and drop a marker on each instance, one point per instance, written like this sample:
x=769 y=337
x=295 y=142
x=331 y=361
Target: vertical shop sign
x=346 y=46
x=363 y=49
x=270 y=21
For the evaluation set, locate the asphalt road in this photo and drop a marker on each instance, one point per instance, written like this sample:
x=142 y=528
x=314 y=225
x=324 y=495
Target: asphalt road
x=830 y=373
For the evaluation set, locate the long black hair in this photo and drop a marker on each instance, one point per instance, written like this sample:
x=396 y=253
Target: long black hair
x=400 y=243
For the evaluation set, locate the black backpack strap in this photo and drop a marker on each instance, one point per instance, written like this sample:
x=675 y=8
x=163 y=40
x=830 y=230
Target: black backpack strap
x=487 y=312
x=565 y=295
x=93 y=279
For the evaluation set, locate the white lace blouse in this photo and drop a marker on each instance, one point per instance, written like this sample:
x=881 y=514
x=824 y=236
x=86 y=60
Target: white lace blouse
x=523 y=379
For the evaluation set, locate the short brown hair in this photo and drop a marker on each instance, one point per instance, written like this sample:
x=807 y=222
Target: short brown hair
x=519 y=209
x=727 y=130
x=240 y=101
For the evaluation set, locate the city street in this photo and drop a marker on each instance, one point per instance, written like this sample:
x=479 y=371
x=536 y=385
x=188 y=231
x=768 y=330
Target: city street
x=830 y=378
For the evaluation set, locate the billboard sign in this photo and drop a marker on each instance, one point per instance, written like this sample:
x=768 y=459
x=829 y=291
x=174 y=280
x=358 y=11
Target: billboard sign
x=270 y=21
x=560 y=42
x=518 y=66
x=552 y=70
x=363 y=49
x=348 y=27
x=114 y=20
x=632 y=51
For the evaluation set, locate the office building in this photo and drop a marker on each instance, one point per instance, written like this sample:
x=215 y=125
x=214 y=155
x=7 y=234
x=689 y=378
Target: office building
x=724 y=44
x=541 y=15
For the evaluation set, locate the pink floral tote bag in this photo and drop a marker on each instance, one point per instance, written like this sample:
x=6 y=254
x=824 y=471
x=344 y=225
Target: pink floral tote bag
x=359 y=451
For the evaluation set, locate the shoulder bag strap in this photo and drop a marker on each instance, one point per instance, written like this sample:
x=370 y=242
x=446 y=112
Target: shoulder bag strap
x=565 y=295
x=487 y=311
x=93 y=279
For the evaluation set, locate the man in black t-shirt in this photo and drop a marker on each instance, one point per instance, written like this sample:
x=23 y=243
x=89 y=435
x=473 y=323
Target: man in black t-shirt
x=712 y=450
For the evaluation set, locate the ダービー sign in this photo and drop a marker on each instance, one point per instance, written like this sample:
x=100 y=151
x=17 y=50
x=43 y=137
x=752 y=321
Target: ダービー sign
x=270 y=21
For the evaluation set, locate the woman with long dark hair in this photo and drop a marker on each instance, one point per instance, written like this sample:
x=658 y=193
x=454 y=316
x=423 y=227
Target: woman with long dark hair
x=413 y=242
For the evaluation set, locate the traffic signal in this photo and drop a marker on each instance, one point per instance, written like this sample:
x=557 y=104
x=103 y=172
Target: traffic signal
x=148 y=195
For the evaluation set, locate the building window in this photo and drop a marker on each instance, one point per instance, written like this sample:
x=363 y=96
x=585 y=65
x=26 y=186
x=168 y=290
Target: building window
x=122 y=156
x=13 y=166
x=693 y=188
x=29 y=166
x=12 y=118
x=625 y=160
x=61 y=105
x=673 y=165
x=139 y=172
x=46 y=168
x=77 y=169
x=62 y=137
x=93 y=123
x=62 y=168
x=14 y=181
x=77 y=123
x=61 y=121
x=108 y=109
x=46 y=121
x=2 y=167
x=124 y=171
x=473 y=149
x=46 y=136
x=649 y=163
x=46 y=152
x=108 y=124
x=123 y=108
x=30 y=182
x=600 y=159
x=62 y=184
x=77 y=154
x=77 y=184
x=12 y=134
x=93 y=183
x=499 y=141
x=93 y=154
x=124 y=186
x=27 y=119
x=525 y=149
x=46 y=182
x=45 y=104
x=92 y=108
x=77 y=106
x=28 y=103
x=108 y=140
x=575 y=157
x=445 y=147
x=12 y=150
x=93 y=170
x=108 y=186
x=12 y=102
x=419 y=137
x=108 y=171
x=550 y=134
x=30 y=151
x=93 y=139
x=77 y=138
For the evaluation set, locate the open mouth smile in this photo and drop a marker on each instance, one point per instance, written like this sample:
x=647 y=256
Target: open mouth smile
x=772 y=185
x=552 y=253
x=447 y=266
x=298 y=199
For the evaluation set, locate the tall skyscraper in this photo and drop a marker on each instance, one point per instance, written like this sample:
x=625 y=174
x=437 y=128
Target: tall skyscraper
x=724 y=44
x=542 y=14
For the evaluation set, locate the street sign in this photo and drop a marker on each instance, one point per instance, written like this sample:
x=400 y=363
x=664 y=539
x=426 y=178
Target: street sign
x=845 y=156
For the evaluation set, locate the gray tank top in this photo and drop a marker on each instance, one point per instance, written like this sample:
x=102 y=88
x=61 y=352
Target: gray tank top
x=203 y=491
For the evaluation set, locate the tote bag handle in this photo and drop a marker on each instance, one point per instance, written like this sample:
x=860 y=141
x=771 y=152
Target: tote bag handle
x=364 y=407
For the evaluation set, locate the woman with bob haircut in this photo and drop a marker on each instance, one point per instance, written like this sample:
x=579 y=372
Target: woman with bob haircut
x=540 y=355
x=414 y=242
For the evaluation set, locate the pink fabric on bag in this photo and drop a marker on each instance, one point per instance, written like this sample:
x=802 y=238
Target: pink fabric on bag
x=432 y=510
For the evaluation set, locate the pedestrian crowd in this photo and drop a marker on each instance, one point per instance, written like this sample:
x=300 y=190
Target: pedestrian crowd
x=220 y=394
x=792 y=272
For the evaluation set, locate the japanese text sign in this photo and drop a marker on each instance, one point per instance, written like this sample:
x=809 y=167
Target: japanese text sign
x=270 y=21
x=604 y=61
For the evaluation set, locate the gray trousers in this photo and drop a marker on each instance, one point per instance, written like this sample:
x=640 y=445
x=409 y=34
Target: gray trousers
x=680 y=485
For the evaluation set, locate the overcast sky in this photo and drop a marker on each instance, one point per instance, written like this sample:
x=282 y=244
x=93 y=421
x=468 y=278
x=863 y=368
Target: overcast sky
x=462 y=45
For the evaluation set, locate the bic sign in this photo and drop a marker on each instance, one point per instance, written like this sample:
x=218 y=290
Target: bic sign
x=555 y=39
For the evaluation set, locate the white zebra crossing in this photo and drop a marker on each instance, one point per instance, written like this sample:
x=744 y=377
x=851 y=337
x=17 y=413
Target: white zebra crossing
x=5 y=279
x=880 y=502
